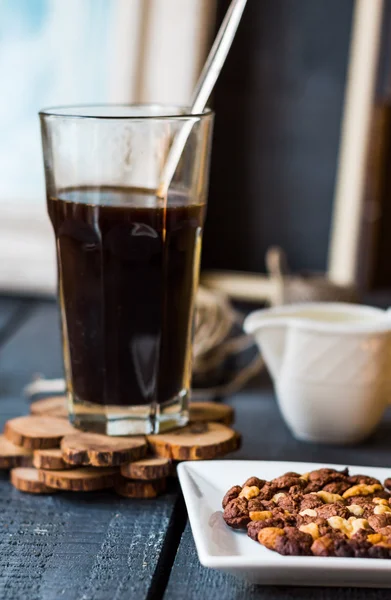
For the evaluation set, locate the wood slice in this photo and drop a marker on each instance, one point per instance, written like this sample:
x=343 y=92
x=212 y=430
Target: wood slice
x=37 y=432
x=140 y=489
x=205 y=412
x=27 y=480
x=102 y=450
x=148 y=468
x=55 y=406
x=50 y=459
x=85 y=479
x=197 y=441
x=13 y=456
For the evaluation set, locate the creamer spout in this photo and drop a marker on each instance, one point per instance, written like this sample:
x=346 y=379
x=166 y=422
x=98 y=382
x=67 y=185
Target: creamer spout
x=270 y=335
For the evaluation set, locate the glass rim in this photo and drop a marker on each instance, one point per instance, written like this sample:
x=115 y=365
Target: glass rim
x=70 y=112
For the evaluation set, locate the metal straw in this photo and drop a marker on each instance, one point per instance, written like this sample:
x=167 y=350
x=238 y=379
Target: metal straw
x=204 y=87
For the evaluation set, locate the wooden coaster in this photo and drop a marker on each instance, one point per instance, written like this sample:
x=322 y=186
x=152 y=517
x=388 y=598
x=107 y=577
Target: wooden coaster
x=196 y=441
x=55 y=406
x=206 y=412
x=102 y=450
x=148 y=468
x=140 y=489
x=37 y=432
x=50 y=459
x=13 y=456
x=85 y=479
x=27 y=480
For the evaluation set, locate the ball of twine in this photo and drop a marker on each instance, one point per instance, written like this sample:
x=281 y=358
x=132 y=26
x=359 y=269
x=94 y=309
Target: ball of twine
x=219 y=336
x=214 y=319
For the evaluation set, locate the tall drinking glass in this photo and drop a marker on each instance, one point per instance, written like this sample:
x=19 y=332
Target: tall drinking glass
x=128 y=260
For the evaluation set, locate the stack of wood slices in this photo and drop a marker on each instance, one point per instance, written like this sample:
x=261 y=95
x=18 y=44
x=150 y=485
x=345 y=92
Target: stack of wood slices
x=46 y=454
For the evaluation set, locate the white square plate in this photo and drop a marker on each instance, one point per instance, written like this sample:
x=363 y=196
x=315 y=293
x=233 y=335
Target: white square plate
x=204 y=484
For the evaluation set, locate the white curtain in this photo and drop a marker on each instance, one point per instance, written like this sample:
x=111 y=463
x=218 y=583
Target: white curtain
x=161 y=46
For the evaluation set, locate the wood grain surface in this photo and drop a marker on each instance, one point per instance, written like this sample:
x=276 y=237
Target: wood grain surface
x=12 y=455
x=50 y=459
x=196 y=441
x=54 y=406
x=27 y=479
x=101 y=450
x=148 y=468
x=82 y=479
x=140 y=489
x=35 y=432
x=204 y=412
x=72 y=546
x=99 y=546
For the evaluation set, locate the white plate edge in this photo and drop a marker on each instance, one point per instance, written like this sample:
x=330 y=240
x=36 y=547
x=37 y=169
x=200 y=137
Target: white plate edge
x=295 y=562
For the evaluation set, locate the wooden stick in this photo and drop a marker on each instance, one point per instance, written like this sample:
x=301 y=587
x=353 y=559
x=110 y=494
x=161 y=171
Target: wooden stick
x=248 y=287
x=351 y=176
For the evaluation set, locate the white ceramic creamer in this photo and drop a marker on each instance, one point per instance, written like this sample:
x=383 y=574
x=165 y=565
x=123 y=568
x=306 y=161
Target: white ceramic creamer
x=331 y=367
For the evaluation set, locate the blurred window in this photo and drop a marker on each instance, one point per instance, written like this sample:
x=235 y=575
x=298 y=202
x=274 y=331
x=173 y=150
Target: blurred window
x=73 y=52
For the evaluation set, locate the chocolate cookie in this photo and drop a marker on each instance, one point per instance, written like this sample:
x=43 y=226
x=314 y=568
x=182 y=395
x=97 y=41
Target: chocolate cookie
x=236 y=513
x=325 y=512
x=231 y=494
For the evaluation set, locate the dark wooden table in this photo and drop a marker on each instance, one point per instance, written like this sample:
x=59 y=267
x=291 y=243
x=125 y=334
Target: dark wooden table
x=101 y=547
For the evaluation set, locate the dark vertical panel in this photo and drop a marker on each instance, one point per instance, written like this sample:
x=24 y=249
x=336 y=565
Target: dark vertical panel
x=376 y=238
x=380 y=267
x=383 y=88
x=279 y=104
